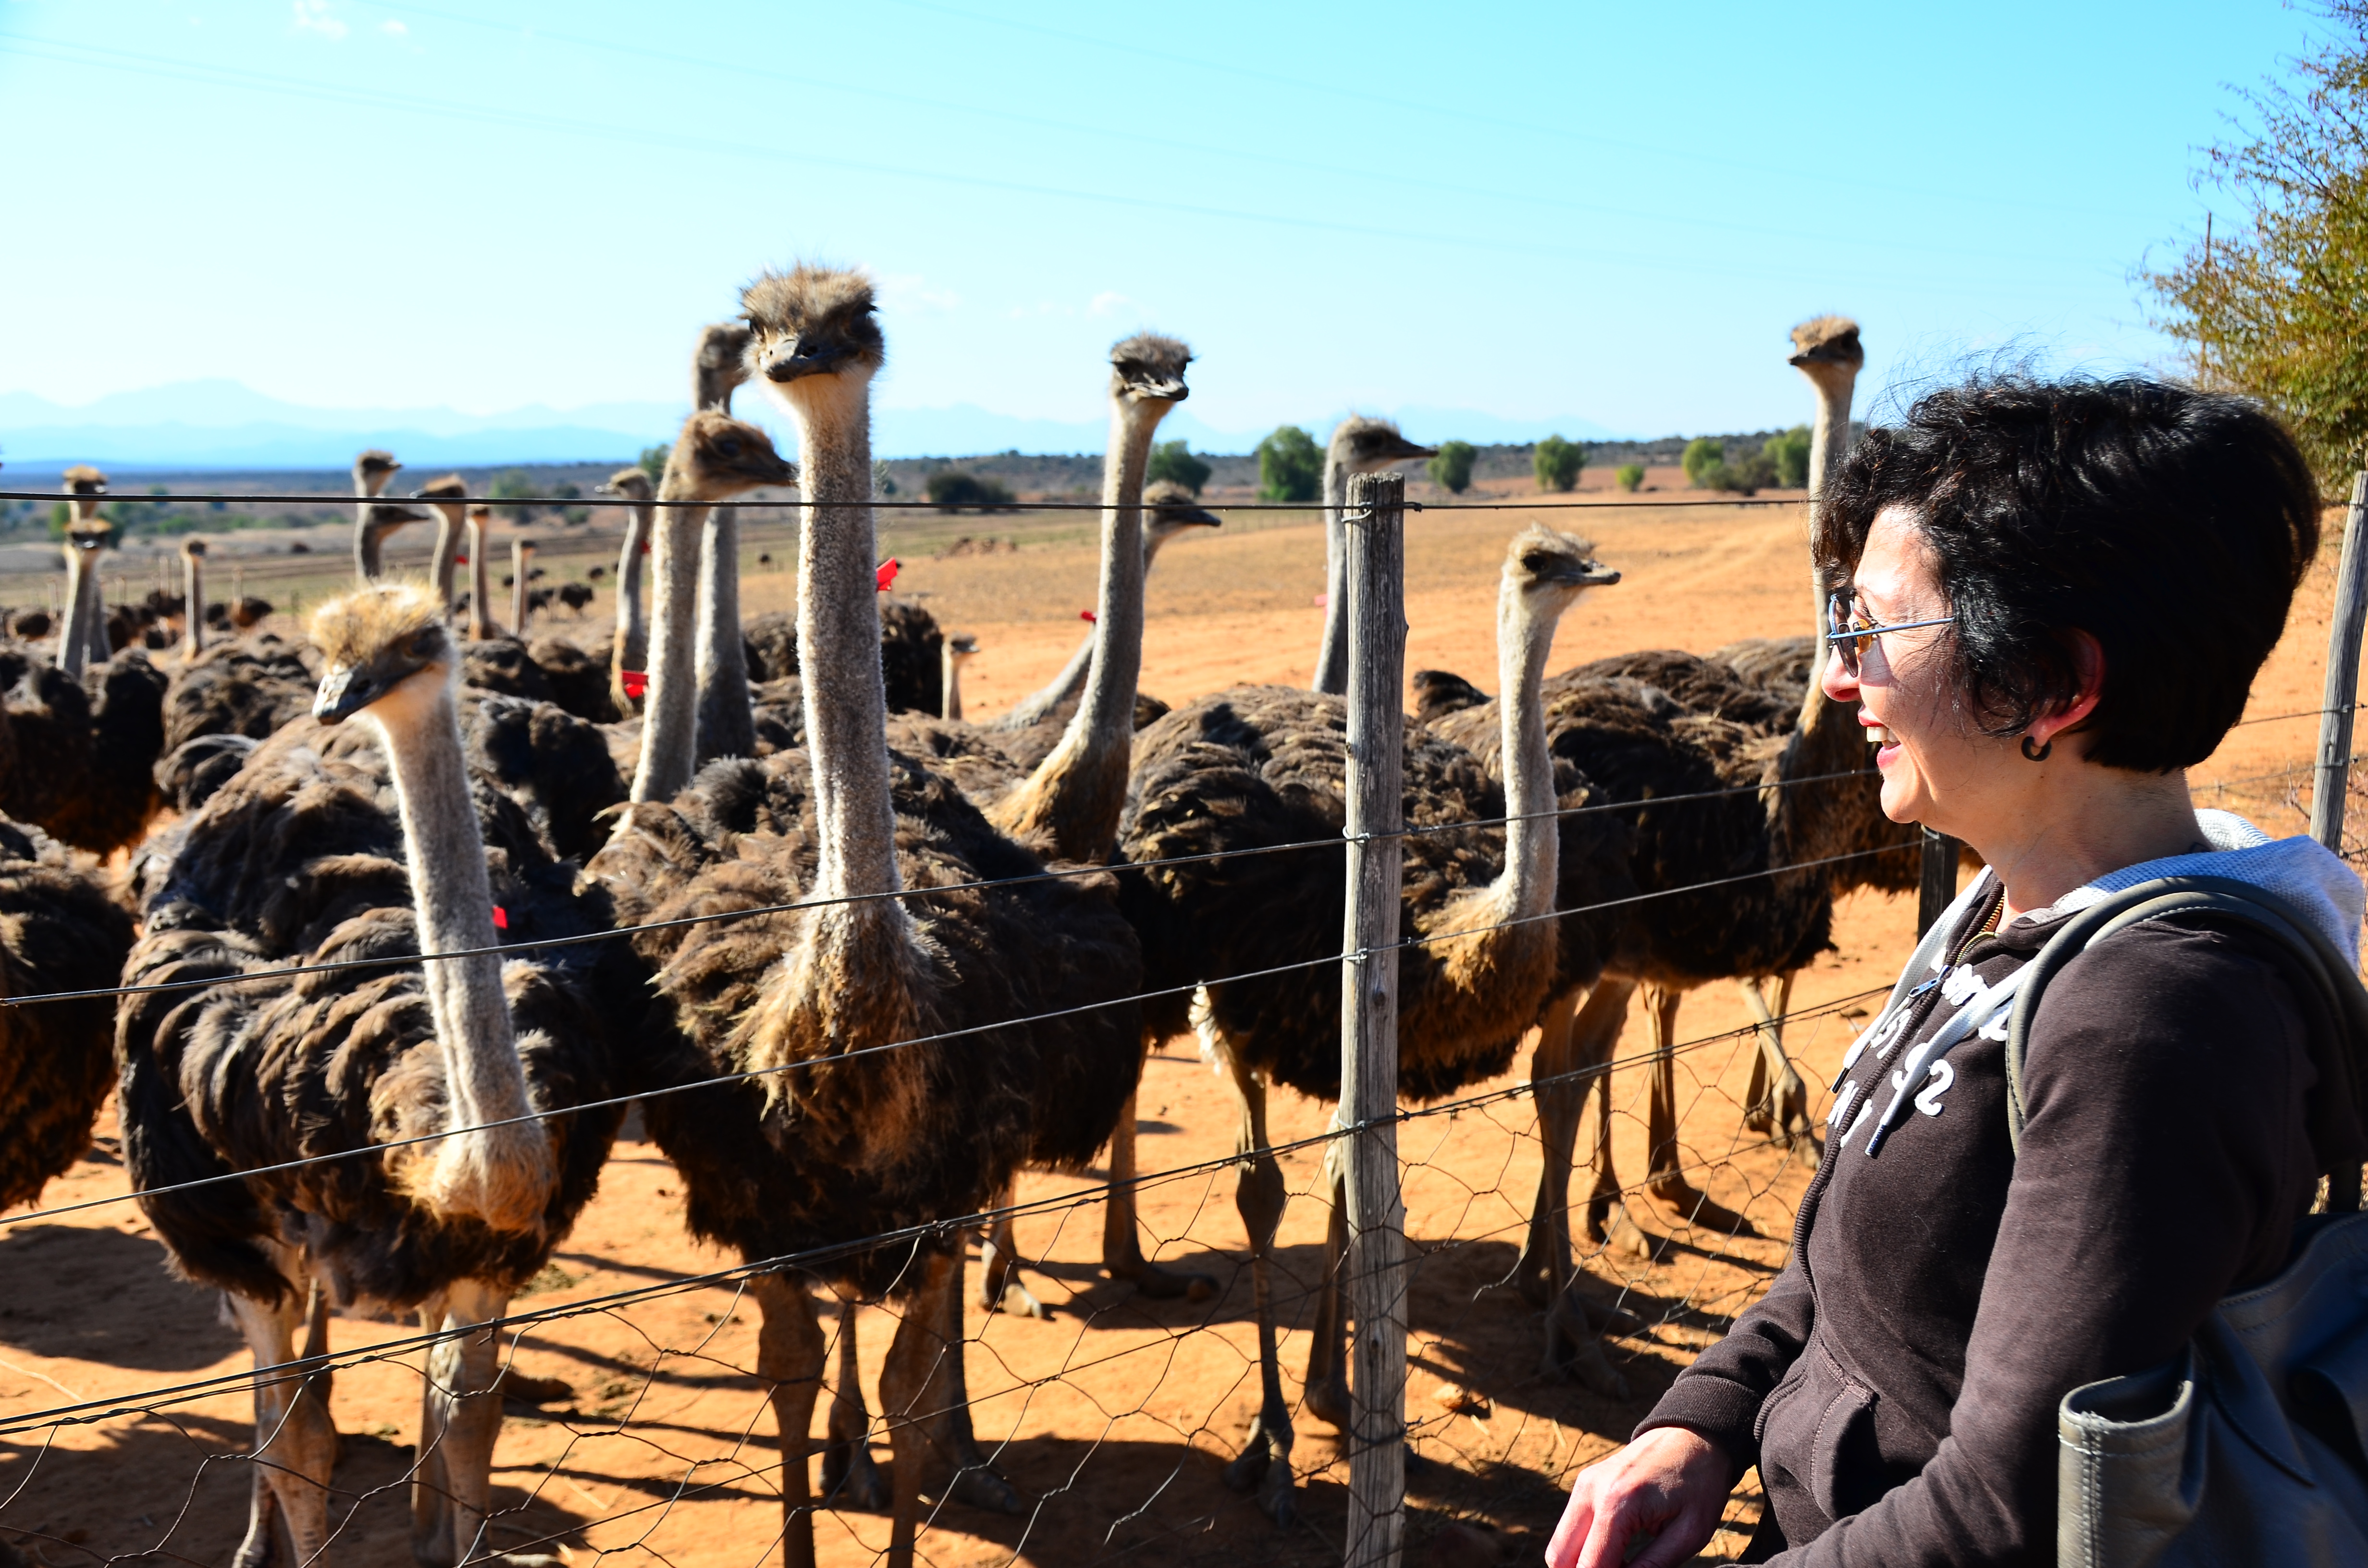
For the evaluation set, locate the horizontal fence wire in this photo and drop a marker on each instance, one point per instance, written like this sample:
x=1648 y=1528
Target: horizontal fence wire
x=877 y=503
x=885 y=1048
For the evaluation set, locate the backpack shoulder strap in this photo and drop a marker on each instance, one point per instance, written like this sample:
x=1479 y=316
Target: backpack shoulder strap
x=2338 y=982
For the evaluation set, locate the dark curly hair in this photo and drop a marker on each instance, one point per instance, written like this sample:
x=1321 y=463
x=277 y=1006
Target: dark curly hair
x=2172 y=524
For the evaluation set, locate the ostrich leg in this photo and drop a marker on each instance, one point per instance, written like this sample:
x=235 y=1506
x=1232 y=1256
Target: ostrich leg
x=1665 y=1178
x=917 y=1398
x=1264 y=1464
x=1543 y=1271
x=974 y=1481
x=461 y=1416
x=295 y=1442
x=849 y=1478
x=790 y=1355
x=1000 y=1288
x=1326 y=1396
x=1783 y=1115
x=1121 y=1242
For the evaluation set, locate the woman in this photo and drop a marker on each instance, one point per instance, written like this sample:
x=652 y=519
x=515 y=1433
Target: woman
x=2052 y=600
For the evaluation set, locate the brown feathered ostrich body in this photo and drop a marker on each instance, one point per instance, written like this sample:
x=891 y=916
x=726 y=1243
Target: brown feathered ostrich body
x=851 y=1131
x=367 y=841
x=59 y=931
x=80 y=736
x=1260 y=765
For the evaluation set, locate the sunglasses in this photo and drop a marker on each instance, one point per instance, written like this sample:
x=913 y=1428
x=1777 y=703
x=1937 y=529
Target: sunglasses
x=1852 y=634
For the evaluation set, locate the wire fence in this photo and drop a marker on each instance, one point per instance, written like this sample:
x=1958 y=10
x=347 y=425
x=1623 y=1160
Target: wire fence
x=633 y=1375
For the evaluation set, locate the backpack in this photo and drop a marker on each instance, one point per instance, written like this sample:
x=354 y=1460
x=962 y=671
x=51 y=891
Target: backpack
x=2251 y=1444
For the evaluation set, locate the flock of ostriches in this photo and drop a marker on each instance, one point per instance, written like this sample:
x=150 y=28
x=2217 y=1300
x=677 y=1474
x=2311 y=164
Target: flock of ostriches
x=824 y=1062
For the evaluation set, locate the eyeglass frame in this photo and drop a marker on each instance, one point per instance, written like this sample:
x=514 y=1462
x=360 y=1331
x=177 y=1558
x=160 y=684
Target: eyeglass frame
x=1850 y=642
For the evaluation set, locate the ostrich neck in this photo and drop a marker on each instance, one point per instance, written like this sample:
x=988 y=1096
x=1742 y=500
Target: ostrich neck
x=1532 y=839
x=670 y=704
x=368 y=544
x=518 y=559
x=481 y=585
x=1332 y=653
x=445 y=855
x=193 y=604
x=82 y=597
x=727 y=724
x=950 y=706
x=633 y=615
x=838 y=642
x=1829 y=444
x=1078 y=792
x=448 y=550
x=1072 y=679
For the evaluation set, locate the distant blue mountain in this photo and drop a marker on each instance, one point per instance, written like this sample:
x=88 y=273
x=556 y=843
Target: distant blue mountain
x=221 y=424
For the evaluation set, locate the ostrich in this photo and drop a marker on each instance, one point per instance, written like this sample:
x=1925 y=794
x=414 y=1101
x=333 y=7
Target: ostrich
x=59 y=931
x=83 y=639
x=1357 y=445
x=960 y=650
x=726 y=722
x=375 y=519
x=193 y=598
x=628 y=658
x=332 y=847
x=1827 y=350
x=448 y=495
x=715 y=458
x=1268 y=765
x=1170 y=510
x=936 y=1126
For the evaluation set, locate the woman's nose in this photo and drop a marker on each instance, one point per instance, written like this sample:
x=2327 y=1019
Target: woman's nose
x=1840 y=685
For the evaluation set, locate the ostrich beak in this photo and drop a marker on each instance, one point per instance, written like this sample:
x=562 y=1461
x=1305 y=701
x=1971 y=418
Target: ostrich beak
x=343 y=693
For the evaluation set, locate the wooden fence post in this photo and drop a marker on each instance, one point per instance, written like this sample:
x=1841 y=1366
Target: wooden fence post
x=2333 y=775
x=1375 y=546
x=1939 y=882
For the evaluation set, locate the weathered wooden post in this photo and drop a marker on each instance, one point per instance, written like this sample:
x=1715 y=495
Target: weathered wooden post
x=1939 y=882
x=1375 y=546
x=2333 y=775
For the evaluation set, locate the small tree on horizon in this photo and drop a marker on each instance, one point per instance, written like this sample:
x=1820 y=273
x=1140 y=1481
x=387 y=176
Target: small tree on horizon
x=1453 y=466
x=1172 y=459
x=652 y=461
x=511 y=484
x=1556 y=463
x=1290 y=465
x=1788 y=454
x=1700 y=452
x=1629 y=477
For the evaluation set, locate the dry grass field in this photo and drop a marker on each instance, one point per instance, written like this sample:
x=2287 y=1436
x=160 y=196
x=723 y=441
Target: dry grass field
x=1114 y=1416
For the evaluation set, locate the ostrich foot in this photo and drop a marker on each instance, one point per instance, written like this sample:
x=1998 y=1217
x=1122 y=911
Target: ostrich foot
x=1693 y=1207
x=1626 y=1239
x=1016 y=1301
x=1159 y=1284
x=851 y=1480
x=1000 y=1288
x=1263 y=1467
x=1534 y=1271
x=977 y=1485
x=1575 y=1350
x=1329 y=1402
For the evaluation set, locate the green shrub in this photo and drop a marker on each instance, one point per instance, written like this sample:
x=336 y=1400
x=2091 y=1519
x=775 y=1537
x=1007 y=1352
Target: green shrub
x=880 y=484
x=1700 y=452
x=1747 y=476
x=1788 y=454
x=60 y=516
x=1452 y=466
x=1557 y=462
x=1629 y=476
x=652 y=461
x=1290 y=465
x=949 y=490
x=511 y=484
x=1172 y=460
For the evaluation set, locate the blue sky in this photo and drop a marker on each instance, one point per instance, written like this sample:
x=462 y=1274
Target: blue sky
x=1605 y=212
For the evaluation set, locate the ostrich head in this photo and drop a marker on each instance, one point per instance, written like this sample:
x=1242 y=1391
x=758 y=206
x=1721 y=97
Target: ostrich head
x=1148 y=368
x=85 y=484
x=812 y=337
x=372 y=469
x=627 y=483
x=718 y=457
x=385 y=648
x=448 y=491
x=1827 y=349
x=194 y=548
x=719 y=364
x=1171 y=511
x=1549 y=570
x=1368 y=446
x=960 y=648
x=89 y=535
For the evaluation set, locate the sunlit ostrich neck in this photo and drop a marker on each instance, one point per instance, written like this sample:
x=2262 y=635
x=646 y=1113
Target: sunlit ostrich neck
x=1077 y=793
x=521 y=568
x=631 y=649
x=448 y=498
x=374 y=518
x=1827 y=350
x=956 y=653
x=193 y=598
x=480 y=576
x=83 y=638
x=726 y=719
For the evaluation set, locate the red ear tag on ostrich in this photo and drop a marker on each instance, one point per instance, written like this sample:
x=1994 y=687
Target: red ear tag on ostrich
x=646 y=547
x=635 y=682
x=501 y=918
x=885 y=577
x=459 y=561
x=1087 y=615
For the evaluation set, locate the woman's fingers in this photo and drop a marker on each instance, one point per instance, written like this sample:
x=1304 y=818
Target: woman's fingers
x=1570 y=1533
x=1671 y=1483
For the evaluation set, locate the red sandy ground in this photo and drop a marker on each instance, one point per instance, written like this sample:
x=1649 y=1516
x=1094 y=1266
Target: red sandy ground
x=1115 y=1416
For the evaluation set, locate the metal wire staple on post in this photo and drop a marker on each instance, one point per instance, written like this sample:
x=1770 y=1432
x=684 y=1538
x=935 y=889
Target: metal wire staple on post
x=2343 y=636
x=1369 y=1020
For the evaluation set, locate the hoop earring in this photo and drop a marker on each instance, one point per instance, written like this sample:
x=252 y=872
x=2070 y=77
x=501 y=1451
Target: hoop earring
x=2039 y=756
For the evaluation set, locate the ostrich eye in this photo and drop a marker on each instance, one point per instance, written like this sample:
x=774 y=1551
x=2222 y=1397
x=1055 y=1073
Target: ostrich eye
x=730 y=448
x=423 y=644
x=1536 y=565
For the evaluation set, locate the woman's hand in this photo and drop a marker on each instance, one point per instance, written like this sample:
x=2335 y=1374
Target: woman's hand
x=1671 y=1482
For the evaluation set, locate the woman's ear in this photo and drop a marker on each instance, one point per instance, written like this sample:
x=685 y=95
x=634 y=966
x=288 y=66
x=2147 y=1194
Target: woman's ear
x=2089 y=675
